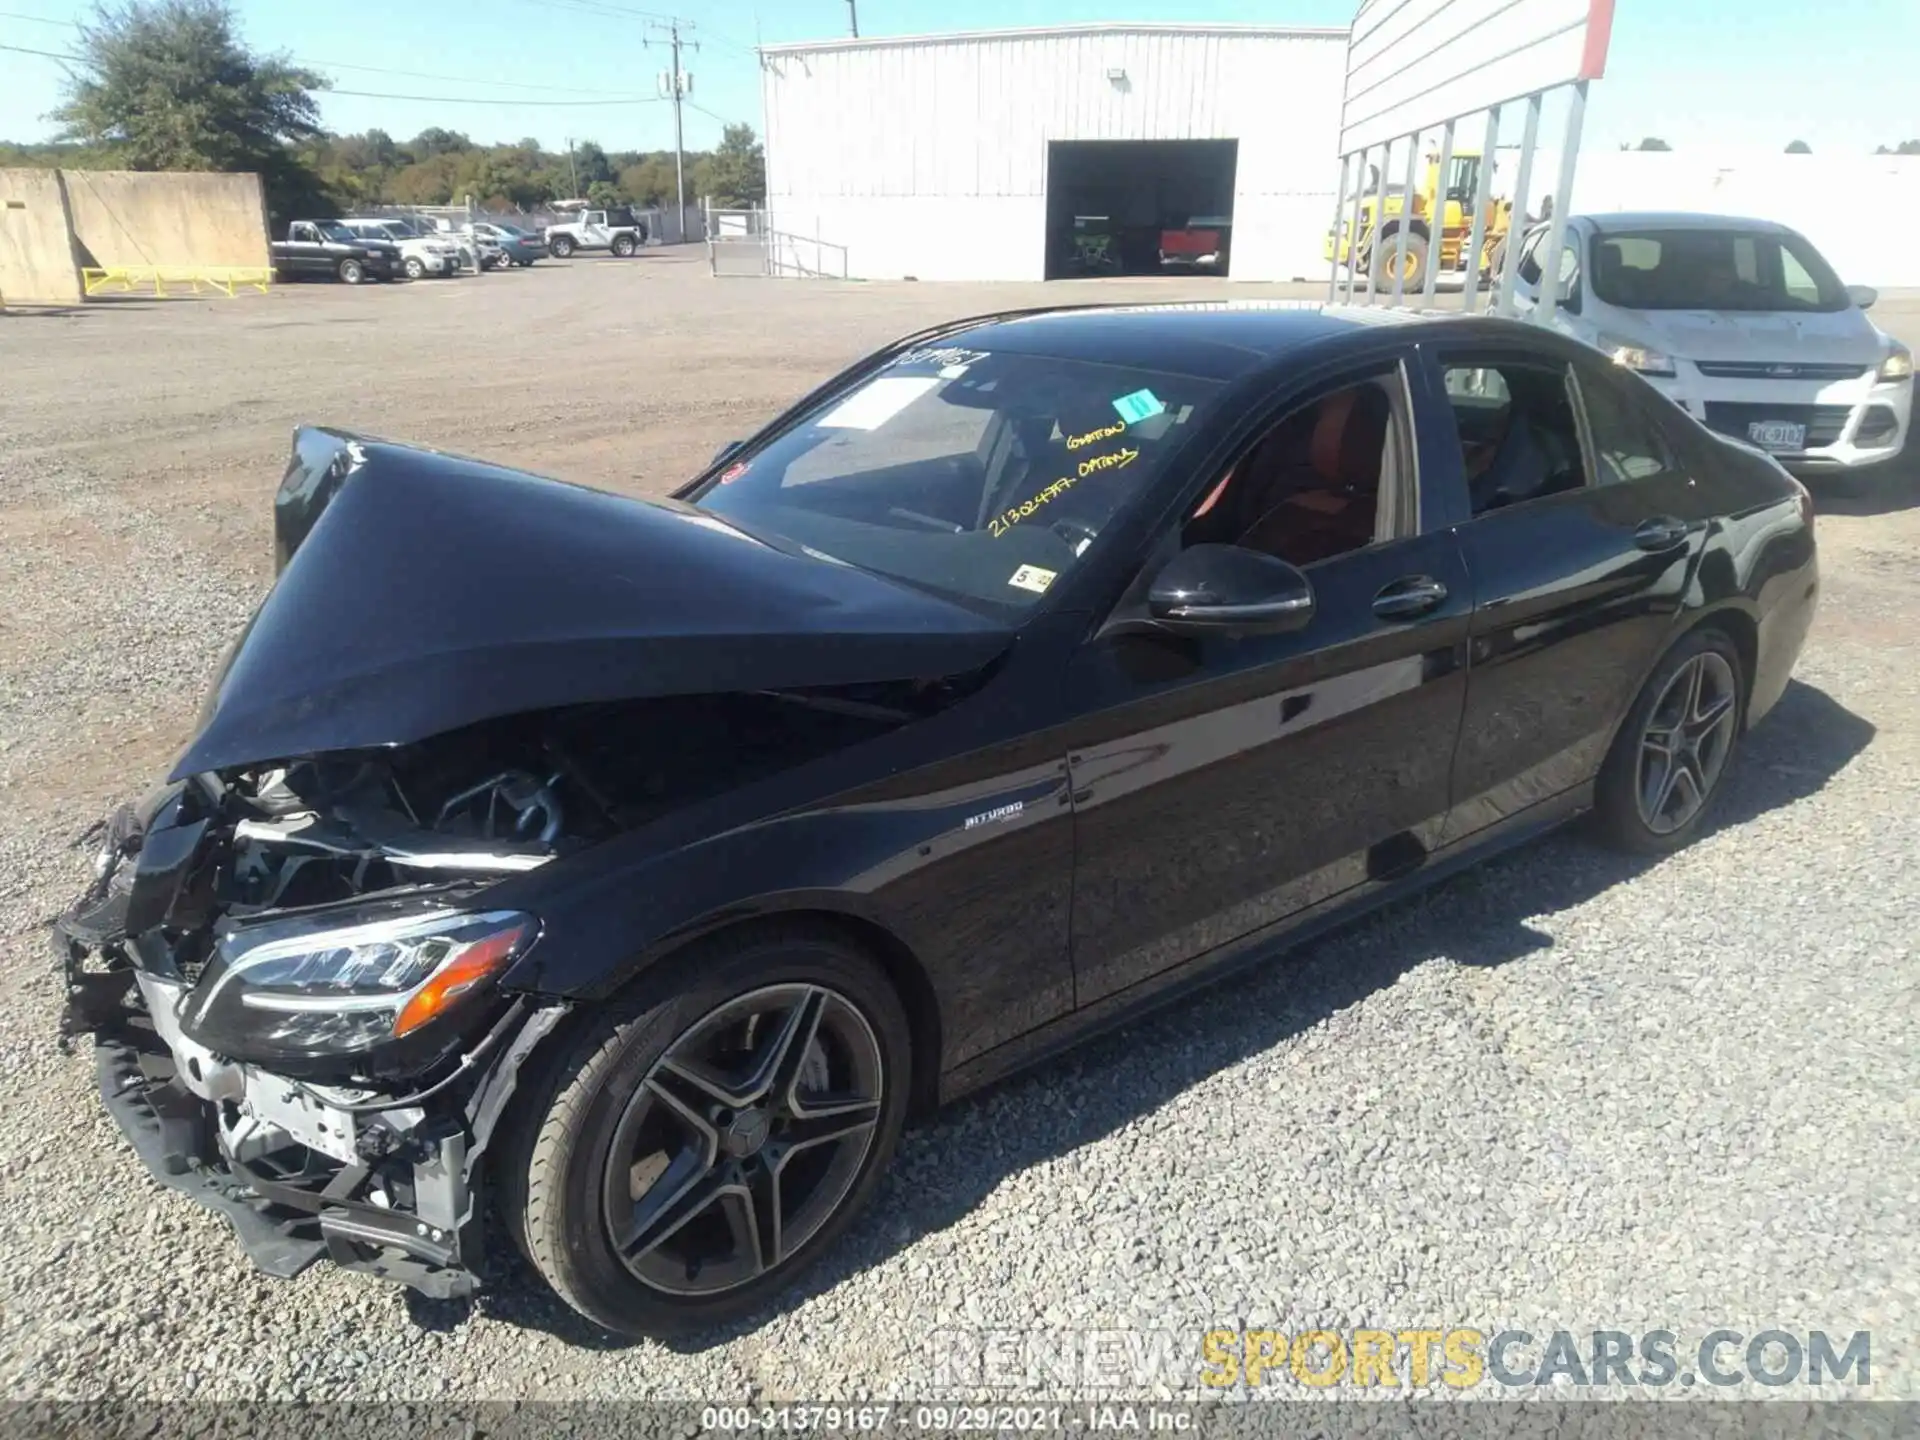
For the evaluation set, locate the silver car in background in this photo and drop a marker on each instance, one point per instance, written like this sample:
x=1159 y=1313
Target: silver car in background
x=1742 y=323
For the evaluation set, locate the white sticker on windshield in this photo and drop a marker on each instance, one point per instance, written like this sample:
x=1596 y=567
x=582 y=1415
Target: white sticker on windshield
x=1032 y=577
x=877 y=402
x=952 y=372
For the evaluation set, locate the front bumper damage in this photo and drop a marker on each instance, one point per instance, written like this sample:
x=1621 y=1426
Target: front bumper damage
x=300 y=1173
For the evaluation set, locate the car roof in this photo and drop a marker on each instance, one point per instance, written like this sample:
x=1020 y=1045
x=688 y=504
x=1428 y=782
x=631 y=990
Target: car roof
x=1216 y=340
x=1614 y=224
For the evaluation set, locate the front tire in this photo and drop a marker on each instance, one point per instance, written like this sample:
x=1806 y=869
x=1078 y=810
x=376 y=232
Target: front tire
x=713 y=1132
x=1386 y=256
x=352 y=272
x=561 y=246
x=416 y=270
x=1667 y=763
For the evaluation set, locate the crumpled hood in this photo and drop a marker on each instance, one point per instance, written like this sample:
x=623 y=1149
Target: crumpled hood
x=1840 y=337
x=420 y=593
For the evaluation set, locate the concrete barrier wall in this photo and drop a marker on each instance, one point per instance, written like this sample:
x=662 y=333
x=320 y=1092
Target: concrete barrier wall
x=125 y=217
x=1857 y=209
x=37 y=264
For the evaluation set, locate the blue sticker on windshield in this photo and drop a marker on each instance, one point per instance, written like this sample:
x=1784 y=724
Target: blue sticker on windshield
x=1138 y=406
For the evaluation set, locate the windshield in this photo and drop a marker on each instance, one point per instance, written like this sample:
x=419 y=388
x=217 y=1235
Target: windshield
x=1713 y=270
x=338 y=232
x=979 y=475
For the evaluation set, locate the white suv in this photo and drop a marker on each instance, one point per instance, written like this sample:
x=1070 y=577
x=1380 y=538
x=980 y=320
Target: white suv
x=1741 y=323
x=419 y=254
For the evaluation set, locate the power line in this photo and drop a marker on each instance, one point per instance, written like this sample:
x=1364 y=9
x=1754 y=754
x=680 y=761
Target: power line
x=429 y=99
x=44 y=54
x=36 y=19
x=457 y=79
x=598 y=7
x=711 y=114
x=491 y=99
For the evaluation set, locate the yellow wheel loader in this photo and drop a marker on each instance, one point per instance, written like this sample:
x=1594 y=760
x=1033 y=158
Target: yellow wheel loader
x=1377 y=245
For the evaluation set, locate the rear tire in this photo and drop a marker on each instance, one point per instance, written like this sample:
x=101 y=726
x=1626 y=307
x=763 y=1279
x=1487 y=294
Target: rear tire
x=700 y=1170
x=1666 y=768
x=623 y=246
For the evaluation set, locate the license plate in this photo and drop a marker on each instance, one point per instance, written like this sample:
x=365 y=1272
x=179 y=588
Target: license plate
x=1777 y=435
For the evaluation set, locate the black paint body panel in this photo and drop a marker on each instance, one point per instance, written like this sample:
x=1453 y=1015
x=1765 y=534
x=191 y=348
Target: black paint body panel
x=1107 y=815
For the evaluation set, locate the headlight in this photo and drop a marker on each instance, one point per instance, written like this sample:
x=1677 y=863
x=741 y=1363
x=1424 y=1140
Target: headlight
x=1898 y=365
x=307 y=989
x=1637 y=358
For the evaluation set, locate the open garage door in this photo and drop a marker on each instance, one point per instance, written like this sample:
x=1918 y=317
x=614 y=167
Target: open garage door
x=1139 y=207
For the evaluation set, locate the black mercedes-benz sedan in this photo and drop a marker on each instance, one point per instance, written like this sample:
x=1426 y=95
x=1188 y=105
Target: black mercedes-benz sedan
x=630 y=871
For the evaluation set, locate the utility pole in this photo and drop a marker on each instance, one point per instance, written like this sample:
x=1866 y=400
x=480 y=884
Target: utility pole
x=675 y=84
x=573 y=172
x=853 y=17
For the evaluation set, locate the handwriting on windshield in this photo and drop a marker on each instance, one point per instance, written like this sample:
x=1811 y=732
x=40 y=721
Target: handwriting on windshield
x=1000 y=524
x=1093 y=437
x=1112 y=460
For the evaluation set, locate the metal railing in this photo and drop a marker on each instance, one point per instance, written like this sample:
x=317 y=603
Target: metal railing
x=228 y=280
x=805 y=257
x=1359 y=246
x=749 y=242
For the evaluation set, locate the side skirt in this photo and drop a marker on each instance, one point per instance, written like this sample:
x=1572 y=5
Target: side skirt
x=1157 y=991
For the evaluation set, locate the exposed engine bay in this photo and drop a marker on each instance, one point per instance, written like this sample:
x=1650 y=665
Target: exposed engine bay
x=347 y=1139
x=292 y=957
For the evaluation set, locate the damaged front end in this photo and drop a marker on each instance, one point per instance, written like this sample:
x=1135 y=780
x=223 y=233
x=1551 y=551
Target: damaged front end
x=291 y=991
x=287 y=957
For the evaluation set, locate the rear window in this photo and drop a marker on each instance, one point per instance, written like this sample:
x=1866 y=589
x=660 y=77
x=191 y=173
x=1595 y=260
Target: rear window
x=1713 y=270
x=983 y=476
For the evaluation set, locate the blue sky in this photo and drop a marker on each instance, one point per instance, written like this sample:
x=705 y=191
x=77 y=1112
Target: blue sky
x=1843 y=75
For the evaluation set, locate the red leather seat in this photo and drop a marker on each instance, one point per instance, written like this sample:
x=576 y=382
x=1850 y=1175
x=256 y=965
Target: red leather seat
x=1326 y=507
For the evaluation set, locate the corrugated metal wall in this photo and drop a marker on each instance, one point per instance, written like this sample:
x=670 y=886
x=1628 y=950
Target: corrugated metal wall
x=929 y=157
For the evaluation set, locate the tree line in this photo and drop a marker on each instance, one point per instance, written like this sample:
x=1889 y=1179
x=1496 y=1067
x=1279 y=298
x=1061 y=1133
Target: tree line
x=169 y=85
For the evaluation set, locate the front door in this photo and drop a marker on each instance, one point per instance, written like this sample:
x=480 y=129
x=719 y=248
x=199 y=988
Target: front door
x=306 y=251
x=1222 y=785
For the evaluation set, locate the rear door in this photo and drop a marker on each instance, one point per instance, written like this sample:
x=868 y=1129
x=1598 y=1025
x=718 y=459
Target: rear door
x=1221 y=784
x=1580 y=529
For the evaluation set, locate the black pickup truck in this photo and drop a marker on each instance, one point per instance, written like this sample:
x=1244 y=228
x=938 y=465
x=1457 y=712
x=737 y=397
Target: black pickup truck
x=321 y=249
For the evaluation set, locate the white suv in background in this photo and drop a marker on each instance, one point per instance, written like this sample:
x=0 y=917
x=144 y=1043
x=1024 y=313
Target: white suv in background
x=419 y=254
x=1740 y=322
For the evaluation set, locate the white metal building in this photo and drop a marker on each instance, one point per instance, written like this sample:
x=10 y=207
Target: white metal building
x=1027 y=154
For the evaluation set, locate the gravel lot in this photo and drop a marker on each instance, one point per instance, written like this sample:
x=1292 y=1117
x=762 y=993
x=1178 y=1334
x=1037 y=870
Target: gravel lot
x=1565 y=1091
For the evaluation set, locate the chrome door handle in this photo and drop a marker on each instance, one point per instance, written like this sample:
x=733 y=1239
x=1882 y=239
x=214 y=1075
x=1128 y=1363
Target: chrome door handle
x=1405 y=599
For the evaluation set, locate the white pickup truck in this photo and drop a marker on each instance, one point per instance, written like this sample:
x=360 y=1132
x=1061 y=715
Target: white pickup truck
x=616 y=230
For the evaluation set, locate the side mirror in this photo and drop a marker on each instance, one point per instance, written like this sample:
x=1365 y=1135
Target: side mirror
x=1863 y=295
x=1223 y=587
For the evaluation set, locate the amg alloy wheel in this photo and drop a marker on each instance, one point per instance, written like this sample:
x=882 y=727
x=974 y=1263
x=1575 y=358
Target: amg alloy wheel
x=697 y=1146
x=743 y=1139
x=1686 y=742
x=1667 y=762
